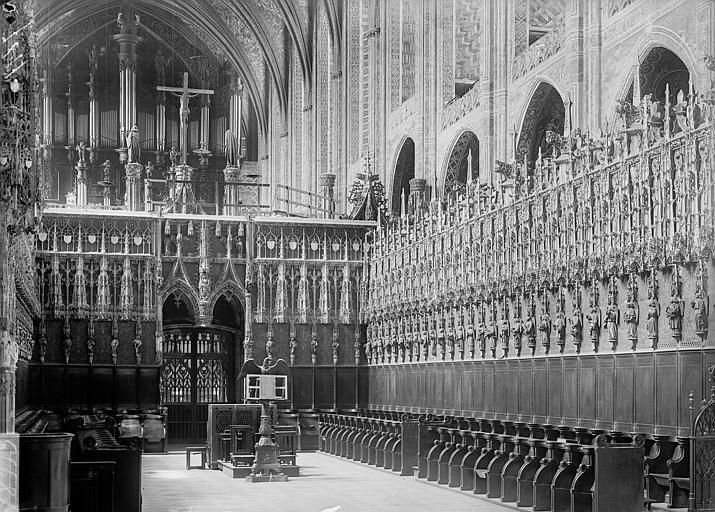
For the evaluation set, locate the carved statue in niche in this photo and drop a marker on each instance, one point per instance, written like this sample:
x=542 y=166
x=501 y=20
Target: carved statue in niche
x=133 y=146
x=470 y=340
x=700 y=310
x=530 y=327
x=482 y=332
x=368 y=351
x=518 y=331
x=67 y=338
x=504 y=331
x=293 y=345
x=675 y=308
x=653 y=312
x=631 y=313
x=42 y=348
x=90 y=341
x=356 y=349
x=314 y=346
x=559 y=324
x=336 y=344
x=577 y=322
x=424 y=337
x=248 y=346
x=594 y=317
x=138 y=349
x=114 y=347
x=269 y=343
x=545 y=323
x=612 y=315
x=491 y=332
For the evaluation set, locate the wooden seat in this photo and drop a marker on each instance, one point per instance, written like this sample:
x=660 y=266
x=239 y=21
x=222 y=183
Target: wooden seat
x=286 y=440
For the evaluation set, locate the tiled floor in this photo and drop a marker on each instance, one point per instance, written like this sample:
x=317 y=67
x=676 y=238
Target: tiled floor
x=325 y=482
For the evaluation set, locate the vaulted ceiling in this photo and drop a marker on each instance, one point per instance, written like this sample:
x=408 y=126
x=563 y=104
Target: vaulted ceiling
x=253 y=36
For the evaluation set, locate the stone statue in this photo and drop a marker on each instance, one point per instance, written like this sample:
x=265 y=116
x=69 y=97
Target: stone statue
x=530 y=331
x=81 y=153
x=611 y=323
x=90 y=349
x=700 y=308
x=174 y=156
x=630 y=316
x=133 y=146
x=149 y=169
x=504 y=332
x=292 y=346
x=577 y=324
x=651 y=323
x=106 y=170
x=314 y=346
x=594 y=322
x=269 y=345
x=545 y=329
x=336 y=347
x=674 y=312
x=231 y=149
x=67 y=339
x=114 y=345
x=138 y=349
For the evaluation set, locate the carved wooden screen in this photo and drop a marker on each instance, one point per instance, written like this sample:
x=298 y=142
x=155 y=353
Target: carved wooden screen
x=702 y=459
x=197 y=370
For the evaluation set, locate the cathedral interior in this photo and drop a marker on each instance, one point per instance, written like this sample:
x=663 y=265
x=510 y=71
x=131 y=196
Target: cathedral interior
x=465 y=242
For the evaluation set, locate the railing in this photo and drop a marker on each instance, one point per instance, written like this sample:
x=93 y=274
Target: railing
x=207 y=197
x=441 y=278
x=300 y=203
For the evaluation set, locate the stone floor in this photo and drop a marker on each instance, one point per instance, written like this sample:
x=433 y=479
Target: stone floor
x=326 y=482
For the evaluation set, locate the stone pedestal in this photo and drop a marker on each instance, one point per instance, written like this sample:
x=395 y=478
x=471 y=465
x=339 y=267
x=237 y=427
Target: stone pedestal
x=81 y=183
x=232 y=175
x=183 y=195
x=327 y=190
x=134 y=198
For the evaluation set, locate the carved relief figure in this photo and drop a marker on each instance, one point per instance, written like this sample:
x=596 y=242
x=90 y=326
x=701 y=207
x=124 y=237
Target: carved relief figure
x=67 y=338
x=630 y=316
x=138 y=349
x=114 y=346
x=81 y=152
x=545 y=328
x=674 y=312
x=174 y=156
x=293 y=345
x=314 y=346
x=530 y=330
x=577 y=325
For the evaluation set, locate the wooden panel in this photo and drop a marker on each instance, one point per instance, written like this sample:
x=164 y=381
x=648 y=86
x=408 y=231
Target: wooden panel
x=101 y=393
x=643 y=393
x=511 y=386
x=489 y=386
x=570 y=390
x=363 y=386
x=149 y=386
x=525 y=408
x=500 y=399
x=554 y=383
x=302 y=388
x=540 y=391
x=324 y=387
x=691 y=378
x=53 y=388
x=346 y=391
x=623 y=418
x=666 y=393
x=587 y=392
x=606 y=397
x=126 y=387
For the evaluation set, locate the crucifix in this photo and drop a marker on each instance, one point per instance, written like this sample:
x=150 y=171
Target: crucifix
x=184 y=94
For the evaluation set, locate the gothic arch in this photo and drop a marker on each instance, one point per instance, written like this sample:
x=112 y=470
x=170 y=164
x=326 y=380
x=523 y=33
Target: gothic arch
x=404 y=172
x=455 y=168
x=181 y=287
x=232 y=287
x=544 y=111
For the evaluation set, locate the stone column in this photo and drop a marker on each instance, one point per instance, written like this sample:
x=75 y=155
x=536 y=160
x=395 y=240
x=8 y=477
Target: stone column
x=47 y=115
x=232 y=175
x=418 y=197
x=81 y=183
x=70 y=111
x=235 y=106
x=133 y=199
x=205 y=129
x=128 y=40
x=327 y=190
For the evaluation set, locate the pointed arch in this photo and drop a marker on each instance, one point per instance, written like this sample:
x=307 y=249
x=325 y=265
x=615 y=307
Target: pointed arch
x=454 y=173
x=543 y=112
x=231 y=287
x=182 y=288
x=403 y=173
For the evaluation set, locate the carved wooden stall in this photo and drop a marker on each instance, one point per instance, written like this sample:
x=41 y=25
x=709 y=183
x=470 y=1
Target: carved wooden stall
x=701 y=485
x=559 y=303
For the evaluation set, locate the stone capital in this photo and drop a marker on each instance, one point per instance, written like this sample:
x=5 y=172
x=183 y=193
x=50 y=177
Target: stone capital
x=134 y=170
x=327 y=180
x=232 y=174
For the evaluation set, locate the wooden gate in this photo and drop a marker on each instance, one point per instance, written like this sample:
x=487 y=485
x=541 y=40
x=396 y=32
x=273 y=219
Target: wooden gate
x=198 y=370
x=702 y=456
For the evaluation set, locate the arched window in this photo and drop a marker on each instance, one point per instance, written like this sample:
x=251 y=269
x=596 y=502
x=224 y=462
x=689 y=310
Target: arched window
x=544 y=113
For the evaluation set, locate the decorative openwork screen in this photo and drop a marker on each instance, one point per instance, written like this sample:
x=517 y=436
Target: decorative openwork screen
x=197 y=370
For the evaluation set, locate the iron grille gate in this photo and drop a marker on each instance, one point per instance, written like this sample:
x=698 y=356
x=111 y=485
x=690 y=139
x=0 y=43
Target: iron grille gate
x=197 y=370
